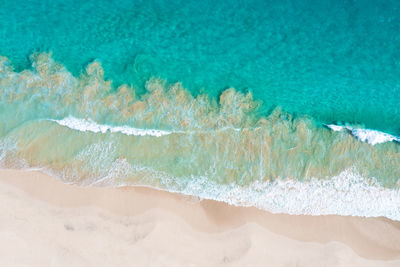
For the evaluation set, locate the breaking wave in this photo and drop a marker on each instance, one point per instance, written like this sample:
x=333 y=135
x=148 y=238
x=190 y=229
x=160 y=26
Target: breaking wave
x=84 y=131
x=369 y=136
x=91 y=126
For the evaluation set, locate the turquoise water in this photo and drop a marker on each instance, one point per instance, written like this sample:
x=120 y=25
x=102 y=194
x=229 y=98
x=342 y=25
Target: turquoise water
x=338 y=61
x=289 y=106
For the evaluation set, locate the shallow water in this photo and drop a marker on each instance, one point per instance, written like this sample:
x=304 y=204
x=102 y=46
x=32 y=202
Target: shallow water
x=142 y=93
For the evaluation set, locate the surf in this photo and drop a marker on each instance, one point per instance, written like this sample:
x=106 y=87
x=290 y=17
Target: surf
x=84 y=131
x=369 y=136
x=91 y=126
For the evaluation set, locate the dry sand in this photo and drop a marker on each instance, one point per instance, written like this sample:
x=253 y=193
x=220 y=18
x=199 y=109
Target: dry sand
x=44 y=222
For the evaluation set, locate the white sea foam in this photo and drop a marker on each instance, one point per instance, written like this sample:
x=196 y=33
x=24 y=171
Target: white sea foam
x=348 y=193
x=345 y=194
x=336 y=128
x=91 y=126
x=369 y=136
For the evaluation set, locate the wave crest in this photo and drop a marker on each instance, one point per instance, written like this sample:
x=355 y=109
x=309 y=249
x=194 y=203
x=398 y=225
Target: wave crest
x=369 y=136
x=91 y=126
x=55 y=119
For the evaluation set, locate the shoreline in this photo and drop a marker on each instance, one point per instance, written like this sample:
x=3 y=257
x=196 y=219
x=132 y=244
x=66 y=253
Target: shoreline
x=166 y=224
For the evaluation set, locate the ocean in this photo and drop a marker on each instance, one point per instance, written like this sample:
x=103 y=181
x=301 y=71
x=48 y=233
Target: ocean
x=288 y=106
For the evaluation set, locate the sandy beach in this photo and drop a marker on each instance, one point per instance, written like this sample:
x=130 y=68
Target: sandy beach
x=44 y=222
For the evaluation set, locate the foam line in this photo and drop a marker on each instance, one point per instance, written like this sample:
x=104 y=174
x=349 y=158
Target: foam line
x=369 y=136
x=91 y=126
x=347 y=194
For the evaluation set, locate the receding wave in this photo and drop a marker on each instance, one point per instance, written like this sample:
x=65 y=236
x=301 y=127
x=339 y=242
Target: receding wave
x=83 y=131
x=348 y=193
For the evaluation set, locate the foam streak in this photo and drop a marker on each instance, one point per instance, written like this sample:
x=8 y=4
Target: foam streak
x=91 y=126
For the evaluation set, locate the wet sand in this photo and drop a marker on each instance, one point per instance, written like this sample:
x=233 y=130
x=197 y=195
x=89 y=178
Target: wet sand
x=44 y=222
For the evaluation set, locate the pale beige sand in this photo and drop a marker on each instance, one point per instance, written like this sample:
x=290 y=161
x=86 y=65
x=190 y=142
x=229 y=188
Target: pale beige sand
x=44 y=222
